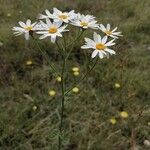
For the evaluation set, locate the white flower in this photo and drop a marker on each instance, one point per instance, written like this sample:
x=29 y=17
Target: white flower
x=52 y=30
x=62 y=16
x=109 y=32
x=48 y=15
x=85 y=22
x=100 y=46
x=25 y=28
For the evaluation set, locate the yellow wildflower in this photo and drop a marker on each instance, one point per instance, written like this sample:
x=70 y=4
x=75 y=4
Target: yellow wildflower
x=75 y=90
x=52 y=92
x=117 y=85
x=75 y=69
x=58 y=79
x=113 y=121
x=29 y=62
x=124 y=114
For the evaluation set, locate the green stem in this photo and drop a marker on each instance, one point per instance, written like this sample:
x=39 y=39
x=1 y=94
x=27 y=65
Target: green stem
x=62 y=103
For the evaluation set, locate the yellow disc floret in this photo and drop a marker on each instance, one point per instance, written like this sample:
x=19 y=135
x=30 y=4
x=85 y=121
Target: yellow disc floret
x=83 y=24
x=63 y=16
x=29 y=28
x=108 y=32
x=52 y=30
x=100 y=46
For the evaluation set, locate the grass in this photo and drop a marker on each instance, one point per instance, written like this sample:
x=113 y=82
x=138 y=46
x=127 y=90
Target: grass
x=87 y=114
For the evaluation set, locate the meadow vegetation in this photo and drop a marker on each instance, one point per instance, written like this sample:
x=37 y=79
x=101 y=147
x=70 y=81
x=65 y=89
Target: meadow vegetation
x=30 y=92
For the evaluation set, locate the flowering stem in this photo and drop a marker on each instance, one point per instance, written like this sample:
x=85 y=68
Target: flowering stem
x=80 y=81
x=62 y=91
x=62 y=103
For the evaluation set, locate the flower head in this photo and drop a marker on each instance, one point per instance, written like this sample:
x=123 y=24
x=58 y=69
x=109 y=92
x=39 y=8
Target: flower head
x=34 y=108
x=109 y=32
x=29 y=62
x=52 y=30
x=52 y=92
x=58 y=79
x=100 y=46
x=26 y=28
x=76 y=73
x=113 y=121
x=74 y=69
x=75 y=90
x=124 y=114
x=117 y=85
x=85 y=21
x=62 y=16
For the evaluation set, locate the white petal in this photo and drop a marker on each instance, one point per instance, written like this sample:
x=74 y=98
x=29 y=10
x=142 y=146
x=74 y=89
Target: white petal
x=102 y=27
x=101 y=55
x=58 y=24
x=53 y=39
x=110 y=43
x=56 y=11
x=104 y=40
x=110 y=51
x=97 y=37
x=27 y=35
x=48 y=22
x=43 y=36
x=28 y=23
x=114 y=29
x=108 y=27
x=22 y=24
x=48 y=13
x=85 y=47
x=89 y=41
x=94 y=53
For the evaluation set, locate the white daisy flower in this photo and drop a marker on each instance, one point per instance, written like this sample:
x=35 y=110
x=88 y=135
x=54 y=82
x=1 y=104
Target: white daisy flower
x=85 y=21
x=48 y=15
x=108 y=32
x=26 y=28
x=62 y=16
x=52 y=30
x=100 y=46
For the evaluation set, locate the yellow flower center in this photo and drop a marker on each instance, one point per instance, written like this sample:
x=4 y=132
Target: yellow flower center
x=108 y=32
x=100 y=46
x=29 y=28
x=52 y=30
x=84 y=24
x=63 y=17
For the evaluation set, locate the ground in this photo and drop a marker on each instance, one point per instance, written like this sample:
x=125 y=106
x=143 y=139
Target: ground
x=30 y=116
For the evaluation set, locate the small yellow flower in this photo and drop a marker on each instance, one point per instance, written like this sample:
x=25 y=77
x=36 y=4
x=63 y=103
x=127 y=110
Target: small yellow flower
x=76 y=73
x=52 y=92
x=29 y=62
x=58 y=79
x=117 y=85
x=34 y=108
x=113 y=120
x=75 y=69
x=148 y=123
x=75 y=90
x=124 y=114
